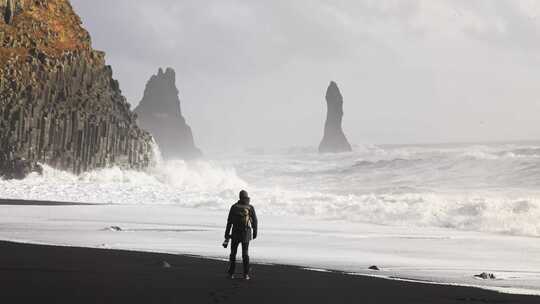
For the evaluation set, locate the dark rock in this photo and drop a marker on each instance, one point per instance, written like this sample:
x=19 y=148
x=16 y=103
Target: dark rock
x=334 y=139
x=114 y=228
x=37 y=168
x=21 y=167
x=59 y=104
x=159 y=112
x=9 y=11
x=374 y=268
x=485 y=276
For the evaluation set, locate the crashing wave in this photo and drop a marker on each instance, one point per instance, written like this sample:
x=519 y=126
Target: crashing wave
x=454 y=187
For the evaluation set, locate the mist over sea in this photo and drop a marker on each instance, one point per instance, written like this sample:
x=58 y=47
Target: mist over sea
x=478 y=187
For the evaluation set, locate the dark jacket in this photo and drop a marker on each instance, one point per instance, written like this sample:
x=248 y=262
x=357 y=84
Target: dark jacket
x=240 y=232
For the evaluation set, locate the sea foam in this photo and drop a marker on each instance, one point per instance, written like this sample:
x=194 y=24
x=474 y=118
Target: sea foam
x=469 y=187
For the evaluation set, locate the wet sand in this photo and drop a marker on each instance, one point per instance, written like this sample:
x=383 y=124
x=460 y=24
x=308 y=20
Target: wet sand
x=50 y=274
x=14 y=202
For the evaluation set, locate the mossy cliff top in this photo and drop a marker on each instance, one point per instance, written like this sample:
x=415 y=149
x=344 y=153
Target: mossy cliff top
x=50 y=27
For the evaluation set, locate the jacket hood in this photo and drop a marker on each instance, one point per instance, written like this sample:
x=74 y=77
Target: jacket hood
x=243 y=202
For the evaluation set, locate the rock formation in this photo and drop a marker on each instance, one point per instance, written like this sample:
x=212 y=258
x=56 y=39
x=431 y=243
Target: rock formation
x=159 y=112
x=334 y=139
x=59 y=104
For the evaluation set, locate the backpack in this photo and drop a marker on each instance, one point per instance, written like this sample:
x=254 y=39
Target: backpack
x=242 y=215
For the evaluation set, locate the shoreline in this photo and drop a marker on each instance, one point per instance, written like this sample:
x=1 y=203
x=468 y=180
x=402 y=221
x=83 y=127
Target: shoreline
x=182 y=232
x=63 y=274
x=21 y=202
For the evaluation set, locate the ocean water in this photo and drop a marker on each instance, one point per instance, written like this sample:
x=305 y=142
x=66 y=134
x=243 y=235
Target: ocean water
x=491 y=188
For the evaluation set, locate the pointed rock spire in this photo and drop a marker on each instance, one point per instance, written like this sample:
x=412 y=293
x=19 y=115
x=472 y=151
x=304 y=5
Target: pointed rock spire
x=160 y=113
x=334 y=139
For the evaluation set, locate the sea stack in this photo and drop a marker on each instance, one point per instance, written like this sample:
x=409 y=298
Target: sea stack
x=159 y=112
x=334 y=140
x=59 y=104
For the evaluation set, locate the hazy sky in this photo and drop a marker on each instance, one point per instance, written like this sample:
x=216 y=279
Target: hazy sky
x=254 y=73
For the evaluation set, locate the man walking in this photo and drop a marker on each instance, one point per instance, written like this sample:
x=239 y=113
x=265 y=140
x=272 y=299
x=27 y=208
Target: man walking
x=242 y=220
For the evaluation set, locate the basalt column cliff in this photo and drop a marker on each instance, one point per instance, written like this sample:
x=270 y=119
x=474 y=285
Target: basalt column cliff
x=159 y=113
x=334 y=139
x=59 y=104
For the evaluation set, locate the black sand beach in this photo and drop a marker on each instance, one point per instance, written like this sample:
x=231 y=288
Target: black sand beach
x=49 y=274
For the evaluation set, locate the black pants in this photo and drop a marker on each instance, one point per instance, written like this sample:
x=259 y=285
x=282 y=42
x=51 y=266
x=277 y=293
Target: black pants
x=245 y=256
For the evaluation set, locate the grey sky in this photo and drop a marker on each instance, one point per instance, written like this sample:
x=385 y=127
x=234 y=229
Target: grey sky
x=254 y=73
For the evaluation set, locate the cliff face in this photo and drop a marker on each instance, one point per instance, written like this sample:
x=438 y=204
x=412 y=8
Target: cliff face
x=159 y=112
x=334 y=139
x=59 y=104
